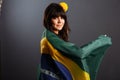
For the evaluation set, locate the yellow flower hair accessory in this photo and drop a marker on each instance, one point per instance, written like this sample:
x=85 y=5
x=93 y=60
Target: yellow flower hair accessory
x=64 y=6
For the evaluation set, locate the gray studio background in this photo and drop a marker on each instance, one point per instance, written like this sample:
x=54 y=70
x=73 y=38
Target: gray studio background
x=21 y=27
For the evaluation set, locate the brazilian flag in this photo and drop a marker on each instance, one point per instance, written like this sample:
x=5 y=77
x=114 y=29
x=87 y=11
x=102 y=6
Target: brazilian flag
x=62 y=60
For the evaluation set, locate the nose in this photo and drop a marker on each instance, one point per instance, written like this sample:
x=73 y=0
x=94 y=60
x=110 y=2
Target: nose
x=59 y=19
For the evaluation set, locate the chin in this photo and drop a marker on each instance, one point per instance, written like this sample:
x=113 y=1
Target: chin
x=59 y=29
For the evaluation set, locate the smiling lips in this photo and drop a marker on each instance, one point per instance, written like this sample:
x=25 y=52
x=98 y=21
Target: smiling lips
x=59 y=26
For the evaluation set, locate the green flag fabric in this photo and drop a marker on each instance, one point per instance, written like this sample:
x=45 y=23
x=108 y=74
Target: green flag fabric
x=62 y=60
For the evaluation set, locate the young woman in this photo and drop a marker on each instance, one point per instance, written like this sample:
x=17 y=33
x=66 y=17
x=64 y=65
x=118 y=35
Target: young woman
x=55 y=20
x=62 y=60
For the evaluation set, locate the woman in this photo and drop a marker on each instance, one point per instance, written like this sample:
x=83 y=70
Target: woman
x=62 y=60
x=54 y=20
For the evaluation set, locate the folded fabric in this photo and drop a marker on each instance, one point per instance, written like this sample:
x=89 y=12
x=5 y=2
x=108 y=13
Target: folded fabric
x=62 y=60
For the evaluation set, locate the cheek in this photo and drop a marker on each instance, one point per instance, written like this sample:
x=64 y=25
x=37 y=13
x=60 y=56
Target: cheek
x=63 y=22
x=53 y=22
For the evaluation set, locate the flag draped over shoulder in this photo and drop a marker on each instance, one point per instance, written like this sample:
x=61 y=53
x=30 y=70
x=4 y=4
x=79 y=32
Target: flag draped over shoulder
x=62 y=60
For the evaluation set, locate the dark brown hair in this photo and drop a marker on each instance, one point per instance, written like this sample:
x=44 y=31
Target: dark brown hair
x=52 y=11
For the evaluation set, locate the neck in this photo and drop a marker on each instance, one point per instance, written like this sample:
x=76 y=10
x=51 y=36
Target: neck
x=56 y=32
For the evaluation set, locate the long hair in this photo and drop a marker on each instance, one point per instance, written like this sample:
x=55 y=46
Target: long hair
x=52 y=11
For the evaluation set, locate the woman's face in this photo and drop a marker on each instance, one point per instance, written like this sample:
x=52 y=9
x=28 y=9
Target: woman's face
x=57 y=24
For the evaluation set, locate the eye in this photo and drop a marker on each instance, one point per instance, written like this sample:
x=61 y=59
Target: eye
x=62 y=18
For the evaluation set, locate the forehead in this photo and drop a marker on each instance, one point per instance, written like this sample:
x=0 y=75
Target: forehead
x=57 y=16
